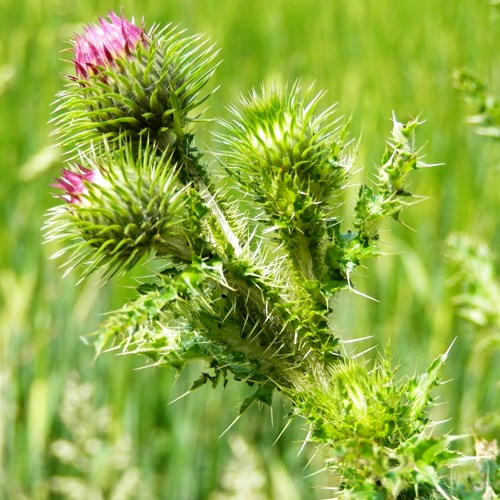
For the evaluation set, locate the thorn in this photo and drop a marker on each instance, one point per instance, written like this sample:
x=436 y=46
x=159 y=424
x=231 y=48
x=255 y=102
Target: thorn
x=445 y=355
x=352 y=341
x=283 y=431
x=231 y=424
x=356 y=292
x=362 y=353
x=306 y=440
x=179 y=397
x=315 y=473
x=309 y=463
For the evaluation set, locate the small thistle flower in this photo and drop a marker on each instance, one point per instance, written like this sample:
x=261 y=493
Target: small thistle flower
x=74 y=183
x=103 y=43
x=133 y=85
x=121 y=208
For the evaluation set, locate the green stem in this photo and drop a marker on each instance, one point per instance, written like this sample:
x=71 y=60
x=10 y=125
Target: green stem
x=302 y=258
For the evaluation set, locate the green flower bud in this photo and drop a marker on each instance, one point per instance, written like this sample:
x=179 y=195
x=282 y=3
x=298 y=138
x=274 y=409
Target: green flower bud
x=283 y=153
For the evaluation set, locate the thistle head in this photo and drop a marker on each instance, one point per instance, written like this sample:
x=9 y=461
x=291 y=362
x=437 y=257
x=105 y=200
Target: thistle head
x=122 y=207
x=290 y=160
x=279 y=147
x=133 y=85
x=102 y=43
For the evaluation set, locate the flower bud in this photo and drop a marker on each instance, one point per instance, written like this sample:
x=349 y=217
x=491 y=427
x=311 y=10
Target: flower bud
x=121 y=208
x=133 y=85
x=282 y=152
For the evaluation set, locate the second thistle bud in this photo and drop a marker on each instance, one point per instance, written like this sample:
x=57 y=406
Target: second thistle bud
x=120 y=208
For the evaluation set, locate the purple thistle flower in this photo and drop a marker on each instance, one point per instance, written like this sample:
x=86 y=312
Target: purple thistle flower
x=102 y=43
x=73 y=183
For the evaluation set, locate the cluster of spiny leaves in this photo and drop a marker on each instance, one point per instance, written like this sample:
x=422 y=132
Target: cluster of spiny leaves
x=246 y=271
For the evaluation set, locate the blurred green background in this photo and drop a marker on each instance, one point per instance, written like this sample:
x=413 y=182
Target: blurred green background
x=104 y=428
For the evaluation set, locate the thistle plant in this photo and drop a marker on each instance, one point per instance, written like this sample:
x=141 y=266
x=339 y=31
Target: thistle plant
x=246 y=271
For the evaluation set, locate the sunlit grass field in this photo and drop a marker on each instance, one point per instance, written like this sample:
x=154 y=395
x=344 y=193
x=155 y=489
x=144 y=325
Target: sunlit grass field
x=374 y=58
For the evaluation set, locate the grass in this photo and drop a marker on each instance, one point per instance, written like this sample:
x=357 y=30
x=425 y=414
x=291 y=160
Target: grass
x=373 y=57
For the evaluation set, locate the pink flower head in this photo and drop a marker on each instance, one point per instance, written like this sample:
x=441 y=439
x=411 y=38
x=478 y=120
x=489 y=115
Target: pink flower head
x=73 y=183
x=102 y=43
